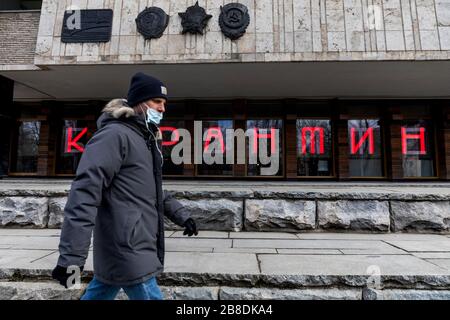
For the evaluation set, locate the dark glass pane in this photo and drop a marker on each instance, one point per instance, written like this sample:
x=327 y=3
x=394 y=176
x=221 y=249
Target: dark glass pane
x=417 y=149
x=27 y=146
x=175 y=110
x=20 y=4
x=169 y=128
x=5 y=140
x=75 y=135
x=208 y=110
x=365 y=156
x=265 y=132
x=212 y=130
x=314 y=148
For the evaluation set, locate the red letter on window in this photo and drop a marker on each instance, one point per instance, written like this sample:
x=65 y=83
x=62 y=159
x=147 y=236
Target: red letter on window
x=73 y=142
x=355 y=147
x=216 y=133
x=171 y=130
x=258 y=135
x=312 y=131
x=420 y=136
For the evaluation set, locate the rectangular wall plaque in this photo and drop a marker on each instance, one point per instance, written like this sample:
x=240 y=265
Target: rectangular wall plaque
x=87 y=26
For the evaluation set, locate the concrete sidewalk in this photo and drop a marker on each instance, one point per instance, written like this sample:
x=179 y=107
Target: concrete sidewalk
x=246 y=265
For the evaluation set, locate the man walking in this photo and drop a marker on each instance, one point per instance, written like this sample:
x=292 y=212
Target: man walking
x=117 y=193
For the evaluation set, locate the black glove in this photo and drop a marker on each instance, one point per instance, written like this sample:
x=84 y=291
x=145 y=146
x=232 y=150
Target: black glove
x=190 y=226
x=60 y=274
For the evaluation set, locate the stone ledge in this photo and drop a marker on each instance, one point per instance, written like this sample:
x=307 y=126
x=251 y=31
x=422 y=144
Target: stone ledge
x=185 y=279
x=254 y=194
x=54 y=291
x=285 y=214
x=230 y=293
x=46 y=290
x=273 y=206
x=374 y=294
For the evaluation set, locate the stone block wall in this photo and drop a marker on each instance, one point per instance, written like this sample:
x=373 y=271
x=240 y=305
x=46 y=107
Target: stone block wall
x=282 y=212
x=286 y=30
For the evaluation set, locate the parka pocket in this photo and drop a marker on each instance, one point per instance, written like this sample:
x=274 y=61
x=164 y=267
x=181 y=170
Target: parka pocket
x=131 y=227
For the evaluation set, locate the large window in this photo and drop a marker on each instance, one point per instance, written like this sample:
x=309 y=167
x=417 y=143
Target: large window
x=27 y=147
x=214 y=148
x=314 y=148
x=173 y=163
x=247 y=139
x=417 y=142
x=264 y=148
x=74 y=136
x=365 y=155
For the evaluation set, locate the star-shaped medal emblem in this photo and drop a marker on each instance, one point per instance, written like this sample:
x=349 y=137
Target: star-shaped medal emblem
x=194 y=19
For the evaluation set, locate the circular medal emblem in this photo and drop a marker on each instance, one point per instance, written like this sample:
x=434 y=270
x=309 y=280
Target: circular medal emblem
x=234 y=20
x=152 y=22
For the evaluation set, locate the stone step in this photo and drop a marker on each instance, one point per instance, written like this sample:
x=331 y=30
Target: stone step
x=54 y=291
x=247 y=265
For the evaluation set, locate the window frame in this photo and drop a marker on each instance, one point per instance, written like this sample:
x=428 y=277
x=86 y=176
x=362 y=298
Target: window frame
x=15 y=144
x=333 y=150
x=434 y=154
x=283 y=149
x=383 y=147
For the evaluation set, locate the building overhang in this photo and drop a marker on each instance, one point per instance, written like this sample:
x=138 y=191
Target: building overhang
x=383 y=79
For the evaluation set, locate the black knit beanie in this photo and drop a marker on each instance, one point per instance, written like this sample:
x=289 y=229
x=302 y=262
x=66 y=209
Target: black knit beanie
x=144 y=87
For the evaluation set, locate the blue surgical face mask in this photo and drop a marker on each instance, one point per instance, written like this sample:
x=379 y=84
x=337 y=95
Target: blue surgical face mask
x=154 y=116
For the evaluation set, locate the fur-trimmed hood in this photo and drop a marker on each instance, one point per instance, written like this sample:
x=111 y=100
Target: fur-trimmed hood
x=118 y=109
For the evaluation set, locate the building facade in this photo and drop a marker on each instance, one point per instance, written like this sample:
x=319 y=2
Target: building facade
x=343 y=89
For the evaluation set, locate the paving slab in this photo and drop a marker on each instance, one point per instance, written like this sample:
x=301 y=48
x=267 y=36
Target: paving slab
x=374 y=251
x=30 y=232
x=421 y=246
x=198 y=242
x=196 y=262
x=378 y=247
x=309 y=251
x=21 y=258
x=347 y=265
x=370 y=236
x=262 y=235
x=245 y=250
x=444 y=263
x=168 y=233
x=203 y=234
x=48 y=262
x=30 y=242
x=432 y=255
x=187 y=248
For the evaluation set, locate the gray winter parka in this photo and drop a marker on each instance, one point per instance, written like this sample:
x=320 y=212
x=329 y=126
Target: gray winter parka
x=117 y=193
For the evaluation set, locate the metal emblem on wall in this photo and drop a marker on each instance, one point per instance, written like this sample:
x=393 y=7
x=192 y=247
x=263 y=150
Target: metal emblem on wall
x=194 y=19
x=81 y=26
x=234 y=20
x=152 y=22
